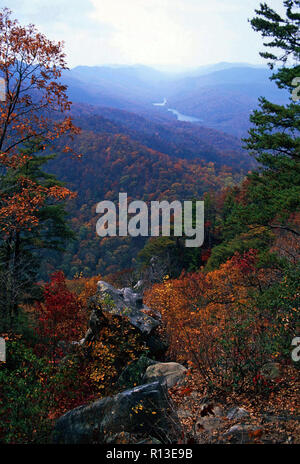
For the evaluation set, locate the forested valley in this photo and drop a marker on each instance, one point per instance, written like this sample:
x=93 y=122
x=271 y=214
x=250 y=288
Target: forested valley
x=211 y=332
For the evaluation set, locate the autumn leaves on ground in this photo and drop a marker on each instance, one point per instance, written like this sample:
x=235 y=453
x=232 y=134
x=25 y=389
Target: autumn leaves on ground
x=230 y=310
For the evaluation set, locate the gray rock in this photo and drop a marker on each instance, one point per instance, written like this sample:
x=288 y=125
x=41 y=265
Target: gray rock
x=125 y=302
x=170 y=373
x=237 y=413
x=146 y=409
x=139 y=285
x=210 y=419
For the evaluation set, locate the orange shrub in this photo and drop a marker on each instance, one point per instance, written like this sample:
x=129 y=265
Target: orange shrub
x=211 y=318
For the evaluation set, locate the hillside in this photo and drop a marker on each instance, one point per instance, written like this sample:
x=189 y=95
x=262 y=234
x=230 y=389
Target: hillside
x=114 y=163
x=225 y=99
x=180 y=139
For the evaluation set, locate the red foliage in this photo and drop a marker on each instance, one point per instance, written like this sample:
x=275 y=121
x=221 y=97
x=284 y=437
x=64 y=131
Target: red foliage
x=60 y=317
x=246 y=262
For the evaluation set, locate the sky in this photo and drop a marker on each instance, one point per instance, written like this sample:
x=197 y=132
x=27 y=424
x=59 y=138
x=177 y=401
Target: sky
x=176 y=33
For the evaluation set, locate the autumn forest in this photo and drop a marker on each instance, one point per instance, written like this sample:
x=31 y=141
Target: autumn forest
x=158 y=343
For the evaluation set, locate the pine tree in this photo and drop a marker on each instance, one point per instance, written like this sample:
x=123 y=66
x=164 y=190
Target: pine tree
x=270 y=196
x=274 y=190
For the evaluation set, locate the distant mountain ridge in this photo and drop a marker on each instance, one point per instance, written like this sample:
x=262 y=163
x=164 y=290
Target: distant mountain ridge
x=221 y=95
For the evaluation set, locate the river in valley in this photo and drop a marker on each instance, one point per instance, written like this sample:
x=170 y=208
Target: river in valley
x=180 y=116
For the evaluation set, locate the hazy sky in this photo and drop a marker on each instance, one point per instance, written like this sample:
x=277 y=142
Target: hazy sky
x=185 y=33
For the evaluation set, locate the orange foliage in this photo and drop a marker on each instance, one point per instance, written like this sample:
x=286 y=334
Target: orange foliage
x=202 y=310
x=83 y=287
x=18 y=211
x=31 y=65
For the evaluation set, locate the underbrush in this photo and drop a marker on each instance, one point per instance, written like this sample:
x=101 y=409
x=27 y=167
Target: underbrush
x=232 y=324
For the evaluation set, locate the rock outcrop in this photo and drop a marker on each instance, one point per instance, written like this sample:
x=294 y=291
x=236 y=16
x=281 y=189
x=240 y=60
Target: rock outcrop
x=146 y=409
x=237 y=413
x=142 y=413
x=242 y=433
x=124 y=302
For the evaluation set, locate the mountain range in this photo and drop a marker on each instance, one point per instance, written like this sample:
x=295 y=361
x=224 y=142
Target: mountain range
x=130 y=145
x=222 y=96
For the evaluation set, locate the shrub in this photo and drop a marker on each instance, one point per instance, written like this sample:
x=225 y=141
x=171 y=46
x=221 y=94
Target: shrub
x=230 y=321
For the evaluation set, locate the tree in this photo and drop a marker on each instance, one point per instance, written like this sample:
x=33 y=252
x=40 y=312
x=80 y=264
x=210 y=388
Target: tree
x=229 y=322
x=24 y=234
x=274 y=139
x=35 y=105
x=61 y=317
x=266 y=202
x=32 y=117
x=31 y=66
x=284 y=32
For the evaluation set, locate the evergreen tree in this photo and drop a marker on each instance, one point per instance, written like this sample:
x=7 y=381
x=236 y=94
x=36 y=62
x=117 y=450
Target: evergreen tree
x=274 y=190
x=269 y=198
x=23 y=249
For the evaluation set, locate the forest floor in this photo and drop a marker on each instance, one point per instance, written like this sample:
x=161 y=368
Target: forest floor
x=273 y=417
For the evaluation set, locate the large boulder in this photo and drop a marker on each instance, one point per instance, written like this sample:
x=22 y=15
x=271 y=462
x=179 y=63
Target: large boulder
x=145 y=409
x=127 y=305
x=124 y=302
x=169 y=373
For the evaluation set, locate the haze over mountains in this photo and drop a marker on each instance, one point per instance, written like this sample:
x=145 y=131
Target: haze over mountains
x=222 y=95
